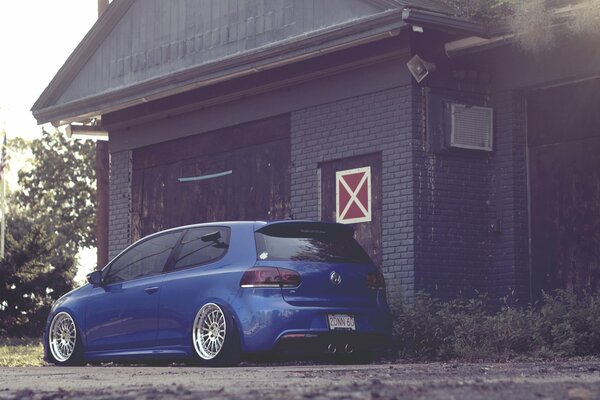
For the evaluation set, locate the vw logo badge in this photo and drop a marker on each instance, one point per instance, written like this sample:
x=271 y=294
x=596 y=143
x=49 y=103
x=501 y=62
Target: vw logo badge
x=336 y=278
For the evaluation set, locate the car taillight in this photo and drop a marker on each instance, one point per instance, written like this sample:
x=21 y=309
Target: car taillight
x=270 y=277
x=375 y=280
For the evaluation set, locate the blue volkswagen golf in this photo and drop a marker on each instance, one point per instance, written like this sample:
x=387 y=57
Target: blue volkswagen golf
x=216 y=293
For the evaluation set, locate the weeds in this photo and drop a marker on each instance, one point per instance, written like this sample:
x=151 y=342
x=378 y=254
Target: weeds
x=562 y=324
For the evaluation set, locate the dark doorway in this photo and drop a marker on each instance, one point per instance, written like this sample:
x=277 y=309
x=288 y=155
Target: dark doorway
x=238 y=173
x=368 y=234
x=564 y=157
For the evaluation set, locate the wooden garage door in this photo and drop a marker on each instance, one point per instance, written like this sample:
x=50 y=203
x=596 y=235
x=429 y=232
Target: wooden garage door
x=239 y=173
x=564 y=154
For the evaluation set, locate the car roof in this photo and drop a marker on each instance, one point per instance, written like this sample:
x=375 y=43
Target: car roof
x=233 y=224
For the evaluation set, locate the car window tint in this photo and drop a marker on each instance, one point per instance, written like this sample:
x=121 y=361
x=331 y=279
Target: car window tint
x=147 y=258
x=201 y=246
x=309 y=242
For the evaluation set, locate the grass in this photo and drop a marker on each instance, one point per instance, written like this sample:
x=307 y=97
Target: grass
x=26 y=352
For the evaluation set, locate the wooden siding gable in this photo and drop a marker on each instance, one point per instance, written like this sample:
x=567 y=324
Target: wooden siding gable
x=154 y=39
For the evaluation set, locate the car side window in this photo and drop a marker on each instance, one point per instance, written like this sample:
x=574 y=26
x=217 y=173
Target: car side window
x=201 y=246
x=147 y=258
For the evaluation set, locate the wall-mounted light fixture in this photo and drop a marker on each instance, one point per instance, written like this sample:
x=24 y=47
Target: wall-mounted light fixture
x=419 y=68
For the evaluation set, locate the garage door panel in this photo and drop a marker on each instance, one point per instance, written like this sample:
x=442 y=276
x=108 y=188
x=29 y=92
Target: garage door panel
x=153 y=200
x=564 y=161
x=258 y=187
x=565 y=214
x=192 y=147
x=261 y=181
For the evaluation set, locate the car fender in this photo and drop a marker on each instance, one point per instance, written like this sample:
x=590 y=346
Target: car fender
x=72 y=304
x=227 y=307
x=76 y=318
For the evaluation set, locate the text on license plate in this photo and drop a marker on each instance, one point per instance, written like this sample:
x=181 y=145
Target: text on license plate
x=341 y=321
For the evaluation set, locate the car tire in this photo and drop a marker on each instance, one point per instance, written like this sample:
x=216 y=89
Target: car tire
x=215 y=339
x=64 y=341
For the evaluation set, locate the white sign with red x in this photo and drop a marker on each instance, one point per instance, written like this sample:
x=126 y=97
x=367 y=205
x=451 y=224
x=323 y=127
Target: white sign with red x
x=353 y=195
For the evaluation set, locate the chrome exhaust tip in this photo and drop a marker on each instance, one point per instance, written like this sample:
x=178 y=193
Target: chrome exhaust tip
x=331 y=348
x=349 y=348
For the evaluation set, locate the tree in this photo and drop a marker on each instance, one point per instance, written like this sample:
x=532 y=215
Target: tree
x=495 y=11
x=534 y=21
x=50 y=218
x=60 y=189
x=34 y=273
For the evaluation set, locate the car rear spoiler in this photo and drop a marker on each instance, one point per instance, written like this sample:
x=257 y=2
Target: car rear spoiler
x=305 y=229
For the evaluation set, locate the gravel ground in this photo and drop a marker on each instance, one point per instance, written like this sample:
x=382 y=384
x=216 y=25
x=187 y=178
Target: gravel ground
x=532 y=380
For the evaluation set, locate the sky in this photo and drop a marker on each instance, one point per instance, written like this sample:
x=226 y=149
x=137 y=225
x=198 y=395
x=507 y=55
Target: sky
x=36 y=38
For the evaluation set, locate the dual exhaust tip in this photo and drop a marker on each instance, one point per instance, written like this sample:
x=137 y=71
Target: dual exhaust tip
x=332 y=348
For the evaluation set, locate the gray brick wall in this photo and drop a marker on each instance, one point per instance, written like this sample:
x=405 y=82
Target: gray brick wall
x=119 y=222
x=458 y=193
x=435 y=207
x=452 y=212
x=378 y=122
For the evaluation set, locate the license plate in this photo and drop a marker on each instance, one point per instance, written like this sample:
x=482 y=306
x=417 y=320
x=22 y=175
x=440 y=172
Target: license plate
x=341 y=321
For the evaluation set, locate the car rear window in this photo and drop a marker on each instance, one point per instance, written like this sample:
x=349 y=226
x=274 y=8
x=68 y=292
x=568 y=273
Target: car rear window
x=309 y=242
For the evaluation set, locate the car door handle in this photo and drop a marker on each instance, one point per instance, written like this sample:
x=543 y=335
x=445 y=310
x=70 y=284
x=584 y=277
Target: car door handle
x=151 y=290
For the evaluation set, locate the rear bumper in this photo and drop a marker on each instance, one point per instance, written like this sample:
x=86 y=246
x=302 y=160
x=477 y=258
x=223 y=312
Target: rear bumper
x=332 y=343
x=267 y=322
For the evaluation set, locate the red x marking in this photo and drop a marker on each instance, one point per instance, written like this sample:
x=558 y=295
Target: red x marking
x=353 y=195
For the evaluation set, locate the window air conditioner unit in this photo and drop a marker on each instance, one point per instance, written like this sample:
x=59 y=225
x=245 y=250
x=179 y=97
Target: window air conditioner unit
x=471 y=127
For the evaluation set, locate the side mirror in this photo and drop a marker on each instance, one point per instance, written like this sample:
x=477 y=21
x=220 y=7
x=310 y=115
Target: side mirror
x=95 y=278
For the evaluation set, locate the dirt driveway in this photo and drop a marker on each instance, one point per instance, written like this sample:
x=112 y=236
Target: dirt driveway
x=547 y=380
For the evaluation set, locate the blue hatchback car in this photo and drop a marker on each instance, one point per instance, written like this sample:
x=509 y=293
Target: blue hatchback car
x=215 y=293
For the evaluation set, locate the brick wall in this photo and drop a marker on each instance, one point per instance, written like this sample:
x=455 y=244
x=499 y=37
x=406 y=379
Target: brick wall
x=452 y=237
x=119 y=222
x=378 y=122
x=452 y=212
x=458 y=194
x=436 y=207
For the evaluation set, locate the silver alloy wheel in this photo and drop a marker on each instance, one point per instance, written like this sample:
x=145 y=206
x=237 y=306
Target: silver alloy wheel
x=209 y=331
x=63 y=337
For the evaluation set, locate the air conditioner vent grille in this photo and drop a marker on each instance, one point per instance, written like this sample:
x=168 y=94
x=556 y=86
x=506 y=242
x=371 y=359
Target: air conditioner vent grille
x=471 y=127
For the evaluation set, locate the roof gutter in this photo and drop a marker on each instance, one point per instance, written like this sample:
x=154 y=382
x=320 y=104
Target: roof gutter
x=474 y=44
x=501 y=36
x=477 y=36
x=450 y=24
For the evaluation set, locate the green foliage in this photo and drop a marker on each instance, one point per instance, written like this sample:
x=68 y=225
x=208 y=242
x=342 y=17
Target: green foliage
x=59 y=189
x=532 y=20
x=49 y=220
x=569 y=324
x=33 y=274
x=495 y=11
x=564 y=324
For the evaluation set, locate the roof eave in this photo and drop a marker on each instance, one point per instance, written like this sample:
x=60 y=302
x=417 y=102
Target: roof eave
x=297 y=49
x=82 y=53
x=451 y=24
